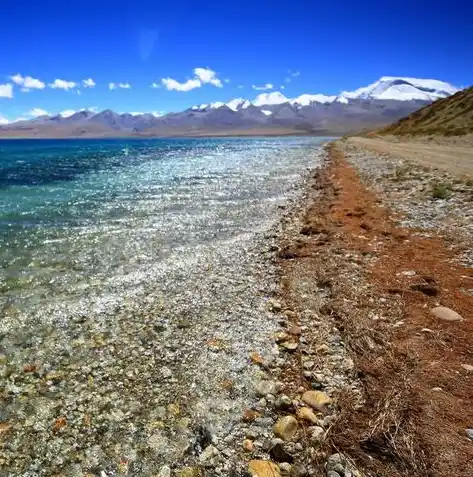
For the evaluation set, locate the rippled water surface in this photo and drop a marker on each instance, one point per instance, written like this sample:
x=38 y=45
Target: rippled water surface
x=132 y=284
x=84 y=218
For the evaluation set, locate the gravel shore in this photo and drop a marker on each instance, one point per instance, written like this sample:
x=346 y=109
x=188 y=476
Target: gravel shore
x=150 y=385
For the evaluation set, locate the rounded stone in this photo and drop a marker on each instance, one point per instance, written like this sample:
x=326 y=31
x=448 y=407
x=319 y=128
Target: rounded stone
x=165 y=471
x=446 y=314
x=307 y=414
x=286 y=428
x=248 y=445
x=263 y=468
x=316 y=399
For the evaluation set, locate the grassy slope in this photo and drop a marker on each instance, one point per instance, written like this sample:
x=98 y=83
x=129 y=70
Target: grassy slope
x=448 y=117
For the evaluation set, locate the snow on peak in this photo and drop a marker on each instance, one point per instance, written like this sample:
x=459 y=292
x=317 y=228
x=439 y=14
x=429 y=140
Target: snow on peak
x=238 y=103
x=306 y=99
x=266 y=112
x=403 y=89
x=386 y=88
x=275 y=97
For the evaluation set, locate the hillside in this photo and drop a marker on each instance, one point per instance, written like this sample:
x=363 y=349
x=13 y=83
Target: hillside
x=449 y=116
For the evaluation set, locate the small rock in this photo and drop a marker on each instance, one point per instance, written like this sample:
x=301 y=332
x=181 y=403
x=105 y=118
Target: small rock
x=275 y=306
x=348 y=364
x=248 y=445
x=307 y=374
x=251 y=434
x=317 y=435
x=446 y=314
x=469 y=433
x=332 y=473
x=468 y=367
x=275 y=441
x=308 y=365
x=281 y=336
x=283 y=402
x=189 y=472
x=286 y=428
x=249 y=415
x=334 y=462
x=266 y=387
x=290 y=345
x=307 y=414
x=436 y=389
x=408 y=273
x=165 y=471
x=285 y=468
x=263 y=468
x=208 y=453
x=166 y=372
x=295 y=330
x=323 y=349
x=316 y=399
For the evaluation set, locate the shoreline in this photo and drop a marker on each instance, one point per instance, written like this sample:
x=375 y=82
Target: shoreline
x=347 y=372
x=157 y=383
x=371 y=369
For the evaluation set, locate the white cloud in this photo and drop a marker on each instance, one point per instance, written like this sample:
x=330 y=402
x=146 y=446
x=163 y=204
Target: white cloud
x=206 y=75
x=27 y=82
x=63 y=84
x=240 y=86
x=282 y=87
x=88 y=83
x=201 y=76
x=226 y=80
x=3 y=120
x=35 y=112
x=6 y=91
x=264 y=87
x=112 y=86
x=155 y=85
x=171 y=84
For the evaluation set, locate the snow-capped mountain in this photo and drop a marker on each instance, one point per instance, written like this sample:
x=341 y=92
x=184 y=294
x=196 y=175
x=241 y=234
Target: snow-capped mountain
x=378 y=104
x=403 y=89
x=386 y=88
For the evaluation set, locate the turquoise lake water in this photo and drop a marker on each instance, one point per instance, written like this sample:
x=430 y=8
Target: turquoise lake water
x=90 y=218
x=121 y=262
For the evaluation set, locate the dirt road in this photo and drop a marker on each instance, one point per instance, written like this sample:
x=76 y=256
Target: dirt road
x=456 y=158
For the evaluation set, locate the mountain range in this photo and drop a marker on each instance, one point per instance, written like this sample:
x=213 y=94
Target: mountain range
x=380 y=103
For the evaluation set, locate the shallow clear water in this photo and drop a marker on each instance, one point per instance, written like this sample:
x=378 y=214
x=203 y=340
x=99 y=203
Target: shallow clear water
x=91 y=217
x=134 y=279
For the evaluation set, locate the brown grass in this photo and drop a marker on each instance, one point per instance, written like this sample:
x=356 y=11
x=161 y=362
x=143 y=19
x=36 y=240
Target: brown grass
x=452 y=116
x=405 y=427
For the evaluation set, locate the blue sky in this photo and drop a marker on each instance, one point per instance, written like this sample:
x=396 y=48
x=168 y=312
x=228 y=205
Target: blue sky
x=304 y=46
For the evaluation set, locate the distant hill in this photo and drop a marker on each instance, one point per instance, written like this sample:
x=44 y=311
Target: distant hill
x=452 y=116
x=372 y=106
